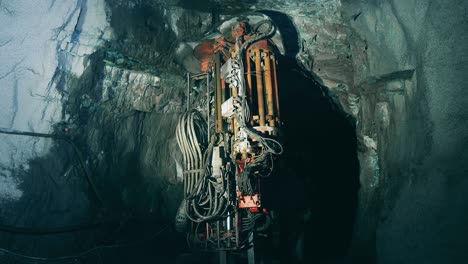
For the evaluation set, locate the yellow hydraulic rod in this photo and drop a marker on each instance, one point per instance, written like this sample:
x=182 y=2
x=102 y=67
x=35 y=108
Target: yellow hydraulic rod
x=219 y=117
x=269 y=90
x=258 y=74
x=275 y=85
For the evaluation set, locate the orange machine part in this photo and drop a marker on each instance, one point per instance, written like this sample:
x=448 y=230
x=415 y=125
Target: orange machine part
x=248 y=201
x=262 y=44
x=204 y=53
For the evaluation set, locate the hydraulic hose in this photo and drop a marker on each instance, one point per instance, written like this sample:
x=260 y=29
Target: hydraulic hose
x=202 y=194
x=190 y=146
x=86 y=252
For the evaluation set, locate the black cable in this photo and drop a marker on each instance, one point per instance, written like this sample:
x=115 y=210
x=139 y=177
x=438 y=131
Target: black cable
x=66 y=139
x=56 y=230
x=86 y=252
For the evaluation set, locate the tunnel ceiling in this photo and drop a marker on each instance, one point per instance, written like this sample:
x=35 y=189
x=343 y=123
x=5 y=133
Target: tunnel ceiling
x=92 y=90
x=230 y=6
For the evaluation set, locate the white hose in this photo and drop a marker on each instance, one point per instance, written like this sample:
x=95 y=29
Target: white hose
x=204 y=199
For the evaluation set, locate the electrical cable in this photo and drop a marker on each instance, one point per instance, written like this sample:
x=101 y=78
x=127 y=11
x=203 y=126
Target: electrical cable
x=200 y=191
x=191 y=148
x=53 y=231
x=75 y=149
x=86 y=252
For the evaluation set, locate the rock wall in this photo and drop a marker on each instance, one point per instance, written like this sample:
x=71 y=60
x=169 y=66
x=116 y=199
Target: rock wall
x=84 y=152
x=397 y=68
x=107 y=77
x=42 y=184
x=416 y=50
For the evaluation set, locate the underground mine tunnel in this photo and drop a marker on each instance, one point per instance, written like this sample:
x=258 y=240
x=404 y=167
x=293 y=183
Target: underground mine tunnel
x=209 y=131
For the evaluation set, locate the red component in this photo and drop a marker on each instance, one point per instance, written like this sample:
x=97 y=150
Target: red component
x=249 y=201
x=257 y=210
x=239 y=29
x=254 y=210
x=241 y=163
x=204 y=51
x=240 y=166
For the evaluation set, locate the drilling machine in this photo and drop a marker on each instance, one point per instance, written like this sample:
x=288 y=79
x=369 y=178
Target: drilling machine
x=229 y=142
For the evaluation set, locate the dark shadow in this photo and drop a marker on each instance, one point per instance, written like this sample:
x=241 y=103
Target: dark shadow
x=57 y=206
x=288 y=31
x=316 y=188
x=317 y=180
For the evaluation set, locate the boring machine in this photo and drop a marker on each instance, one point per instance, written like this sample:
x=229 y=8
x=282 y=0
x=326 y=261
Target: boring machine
x=230 y=139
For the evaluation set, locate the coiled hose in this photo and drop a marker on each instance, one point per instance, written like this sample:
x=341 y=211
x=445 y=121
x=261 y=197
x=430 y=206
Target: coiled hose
x=190 y=133
x=203 y=194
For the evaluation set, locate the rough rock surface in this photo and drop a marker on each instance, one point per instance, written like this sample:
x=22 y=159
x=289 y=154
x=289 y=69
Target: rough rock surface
x=105 y=75
x=134 y=90
x=37 y=42
x=415 y=51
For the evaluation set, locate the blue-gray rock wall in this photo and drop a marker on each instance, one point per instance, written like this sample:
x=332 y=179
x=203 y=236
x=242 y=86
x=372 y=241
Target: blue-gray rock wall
x=424 y=193
x=108 y=76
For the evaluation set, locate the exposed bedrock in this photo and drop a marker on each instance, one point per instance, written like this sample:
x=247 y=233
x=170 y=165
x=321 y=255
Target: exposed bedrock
x=92 y=90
